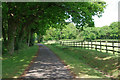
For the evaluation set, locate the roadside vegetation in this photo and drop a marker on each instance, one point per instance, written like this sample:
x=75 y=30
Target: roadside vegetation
x=88 y=63
x=13 y=66
x=71 y=32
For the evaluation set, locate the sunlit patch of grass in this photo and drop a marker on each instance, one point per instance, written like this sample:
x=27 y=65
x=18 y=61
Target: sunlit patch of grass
x=106 y=58
x=13 y=66
x=88 y=63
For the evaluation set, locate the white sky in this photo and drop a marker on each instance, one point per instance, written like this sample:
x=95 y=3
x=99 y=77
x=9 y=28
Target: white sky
x=110 y=14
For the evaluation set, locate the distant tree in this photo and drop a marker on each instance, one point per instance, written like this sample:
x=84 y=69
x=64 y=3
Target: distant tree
x=87 y=34
x=114 y=30
x=68 y=32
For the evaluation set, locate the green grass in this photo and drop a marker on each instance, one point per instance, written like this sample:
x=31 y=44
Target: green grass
x=13 y=66
x=88 y=63
x=107 y=39
x=93 y=40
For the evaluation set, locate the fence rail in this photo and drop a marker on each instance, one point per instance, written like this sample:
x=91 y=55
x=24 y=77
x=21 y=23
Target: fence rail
x=100 y=45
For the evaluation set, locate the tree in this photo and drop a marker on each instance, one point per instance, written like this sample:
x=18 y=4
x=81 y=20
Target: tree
x=20 y=24
x=114 y=30
x=68 y=32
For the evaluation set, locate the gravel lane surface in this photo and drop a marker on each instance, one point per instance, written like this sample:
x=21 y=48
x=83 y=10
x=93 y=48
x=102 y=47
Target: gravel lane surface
x=47 y=65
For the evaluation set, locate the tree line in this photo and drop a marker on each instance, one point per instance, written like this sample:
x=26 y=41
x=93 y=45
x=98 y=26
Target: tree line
x=88 y=33
x=20 y=21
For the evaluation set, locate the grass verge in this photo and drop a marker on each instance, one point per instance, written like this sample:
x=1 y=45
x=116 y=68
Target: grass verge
x=13 y=66
x=88 y=63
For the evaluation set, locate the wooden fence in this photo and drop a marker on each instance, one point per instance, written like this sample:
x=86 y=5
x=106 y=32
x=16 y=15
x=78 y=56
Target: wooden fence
x=101 y=45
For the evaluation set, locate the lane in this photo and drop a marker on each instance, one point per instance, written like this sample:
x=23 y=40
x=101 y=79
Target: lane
x=47 y=65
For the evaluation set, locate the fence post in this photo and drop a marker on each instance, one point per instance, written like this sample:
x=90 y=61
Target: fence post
x=68 y=43
x=75 y=44
x=72 y=44
x=95 y=46
x=88 y=44
x=106 y=47
x=81 y=44
x=100 y=46
x=113 y=46
x=91 y=44
x=84 y=44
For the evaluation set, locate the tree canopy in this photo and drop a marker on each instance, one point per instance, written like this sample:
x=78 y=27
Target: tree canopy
x=21 y=20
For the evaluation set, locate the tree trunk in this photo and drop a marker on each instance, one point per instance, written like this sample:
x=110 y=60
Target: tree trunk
x=11 y=45
x=21 y=37
x=11 y=31
x=28 y=38
x=4 y=32
x=11 y=36
x=31 y=39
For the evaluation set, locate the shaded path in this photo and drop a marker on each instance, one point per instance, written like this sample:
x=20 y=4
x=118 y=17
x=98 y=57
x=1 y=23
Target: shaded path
x=47 y=65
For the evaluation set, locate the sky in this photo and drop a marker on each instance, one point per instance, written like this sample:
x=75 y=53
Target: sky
x=110 y=14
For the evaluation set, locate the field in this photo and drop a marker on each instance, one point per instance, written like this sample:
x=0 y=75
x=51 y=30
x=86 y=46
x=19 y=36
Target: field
x=88 y=63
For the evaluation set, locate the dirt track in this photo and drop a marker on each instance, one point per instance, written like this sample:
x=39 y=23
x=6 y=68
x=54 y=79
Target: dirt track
x=47 y=65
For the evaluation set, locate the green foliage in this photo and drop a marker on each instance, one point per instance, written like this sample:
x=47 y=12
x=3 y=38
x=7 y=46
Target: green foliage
x=20 y=24
x=115 y=30
x=67 y=32
x=88 y=33
x=105 y=32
